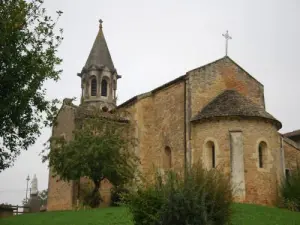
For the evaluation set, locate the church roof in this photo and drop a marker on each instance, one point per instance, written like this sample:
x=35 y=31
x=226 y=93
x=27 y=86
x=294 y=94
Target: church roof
x=292 y=134
x=179 y=79
x=230 y=103
x=99 y=55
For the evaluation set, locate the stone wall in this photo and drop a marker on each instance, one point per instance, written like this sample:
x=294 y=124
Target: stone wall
x=159 y=119
x=260 y=183
x=60 y=193
x=210 y=80
x=291 y=154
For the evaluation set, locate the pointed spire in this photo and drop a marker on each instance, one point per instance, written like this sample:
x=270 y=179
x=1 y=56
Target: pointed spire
x=99 y=54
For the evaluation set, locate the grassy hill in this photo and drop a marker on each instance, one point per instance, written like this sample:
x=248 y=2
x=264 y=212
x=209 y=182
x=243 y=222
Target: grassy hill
x=244 y=214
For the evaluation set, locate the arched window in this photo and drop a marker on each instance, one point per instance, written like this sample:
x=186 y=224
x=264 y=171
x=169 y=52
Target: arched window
x=287 y=173
x=114 y=89
x=104 y=87
x=167 y=159
x=213 y=156
x=93 y=86
x=210 y=152
x=262 y=154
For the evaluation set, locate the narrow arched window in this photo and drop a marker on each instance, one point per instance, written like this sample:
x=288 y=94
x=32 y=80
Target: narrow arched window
x=287 y=173
x=167 y=159
x=213 y=156
x=210 y=155
x=114 y=89
x=93 y=86
x=262 y=154
x=104 y=87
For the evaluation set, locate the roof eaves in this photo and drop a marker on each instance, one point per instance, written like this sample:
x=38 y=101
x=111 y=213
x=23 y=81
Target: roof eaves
x=292 y=133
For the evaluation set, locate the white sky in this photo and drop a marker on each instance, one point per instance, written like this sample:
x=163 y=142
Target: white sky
x=152 y=42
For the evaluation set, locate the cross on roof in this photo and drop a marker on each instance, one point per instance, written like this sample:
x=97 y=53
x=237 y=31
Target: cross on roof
x=100 y=23
x=227 y=37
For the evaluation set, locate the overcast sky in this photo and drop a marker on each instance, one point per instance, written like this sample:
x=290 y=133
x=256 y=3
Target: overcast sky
x=152 y=42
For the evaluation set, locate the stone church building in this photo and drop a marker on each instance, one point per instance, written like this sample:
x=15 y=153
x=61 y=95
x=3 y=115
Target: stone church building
x=214 y=114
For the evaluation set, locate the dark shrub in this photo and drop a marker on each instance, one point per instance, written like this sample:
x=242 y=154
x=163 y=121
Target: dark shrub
x=88 y=197
x=200 y=197
x=117 y=194
x=290 y=191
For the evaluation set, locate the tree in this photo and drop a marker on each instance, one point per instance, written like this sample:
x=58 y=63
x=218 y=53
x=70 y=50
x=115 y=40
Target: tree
x=42 y=196
x=102 y=148
x=28 y=47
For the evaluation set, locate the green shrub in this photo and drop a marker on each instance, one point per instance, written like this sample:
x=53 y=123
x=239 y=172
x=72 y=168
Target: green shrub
x=290 y=191
x=88 y=197
x=117 y=194
x=198 y=197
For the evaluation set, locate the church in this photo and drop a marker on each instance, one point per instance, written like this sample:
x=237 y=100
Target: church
x=214 y=114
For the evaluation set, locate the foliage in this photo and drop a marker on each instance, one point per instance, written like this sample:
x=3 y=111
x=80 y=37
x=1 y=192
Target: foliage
x=102 y=148
x=290 y=190
x=42 y=196
x=197 y=197
x=117 y=195
x=5 y=206
x=86 y=199
x=28 y=47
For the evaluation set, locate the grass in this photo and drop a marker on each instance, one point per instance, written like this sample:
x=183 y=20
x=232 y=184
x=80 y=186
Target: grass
x=244 y=214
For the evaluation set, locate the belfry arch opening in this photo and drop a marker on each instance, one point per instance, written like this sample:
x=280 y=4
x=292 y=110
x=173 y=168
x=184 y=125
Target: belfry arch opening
x=93 y=86
x=104 y=88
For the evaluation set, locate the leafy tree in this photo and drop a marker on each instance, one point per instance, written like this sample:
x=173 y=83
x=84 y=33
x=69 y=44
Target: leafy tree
x=102 y=148
x=42 y=196
x=28 y=47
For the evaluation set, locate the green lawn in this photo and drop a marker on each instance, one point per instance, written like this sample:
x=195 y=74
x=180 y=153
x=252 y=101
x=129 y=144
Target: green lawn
x=244 y=214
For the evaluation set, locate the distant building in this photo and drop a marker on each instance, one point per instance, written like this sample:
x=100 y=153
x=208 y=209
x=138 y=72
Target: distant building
x=215 y=113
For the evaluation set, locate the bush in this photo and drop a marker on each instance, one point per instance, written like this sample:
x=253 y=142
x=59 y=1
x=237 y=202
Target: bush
x=117 y=194
x=88 y=197
x=199 y=197
x=290 y=191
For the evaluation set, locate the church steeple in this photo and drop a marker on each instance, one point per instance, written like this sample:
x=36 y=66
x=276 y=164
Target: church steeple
x=99 y=76
x=99 y=54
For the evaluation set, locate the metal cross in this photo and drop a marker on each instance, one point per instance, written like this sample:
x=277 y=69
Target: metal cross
x=227 y=37
x=100 y=21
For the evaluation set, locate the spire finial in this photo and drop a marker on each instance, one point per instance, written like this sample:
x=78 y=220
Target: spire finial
x=100 y=23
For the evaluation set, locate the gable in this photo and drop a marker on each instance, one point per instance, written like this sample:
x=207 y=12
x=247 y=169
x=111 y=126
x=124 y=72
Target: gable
x=209 y=81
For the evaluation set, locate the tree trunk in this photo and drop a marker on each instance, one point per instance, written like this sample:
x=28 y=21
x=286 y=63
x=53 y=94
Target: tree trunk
x=95 y=197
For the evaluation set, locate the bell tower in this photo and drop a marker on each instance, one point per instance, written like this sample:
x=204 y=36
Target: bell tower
x=99 y=76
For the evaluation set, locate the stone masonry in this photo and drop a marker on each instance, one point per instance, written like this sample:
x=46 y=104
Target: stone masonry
x=182 y=123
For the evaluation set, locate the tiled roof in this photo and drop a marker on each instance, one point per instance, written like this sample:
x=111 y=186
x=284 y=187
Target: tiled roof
x=292 y=134
x=99 y=55
x=230 y=103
